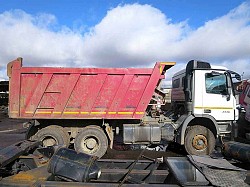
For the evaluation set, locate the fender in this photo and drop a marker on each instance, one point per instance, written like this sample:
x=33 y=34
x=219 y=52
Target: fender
x=32 y=129
x=184 y=122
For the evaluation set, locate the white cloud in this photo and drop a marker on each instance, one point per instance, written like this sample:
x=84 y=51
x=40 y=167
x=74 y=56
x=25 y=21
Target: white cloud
x=32 y=38
x=128 y=36
x=240 y=66
x=225 y=38
x=131 y=35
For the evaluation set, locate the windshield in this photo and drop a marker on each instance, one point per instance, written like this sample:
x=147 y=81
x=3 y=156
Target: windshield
x=216 y=83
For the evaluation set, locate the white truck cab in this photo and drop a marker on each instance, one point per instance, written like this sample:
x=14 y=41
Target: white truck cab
x=213 y=95
x=204 y=101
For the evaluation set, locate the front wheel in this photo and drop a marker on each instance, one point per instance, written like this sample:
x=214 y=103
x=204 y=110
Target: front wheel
x=199 y=140
x=91 y=140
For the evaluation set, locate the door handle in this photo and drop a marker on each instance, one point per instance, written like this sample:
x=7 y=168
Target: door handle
x=207 y=111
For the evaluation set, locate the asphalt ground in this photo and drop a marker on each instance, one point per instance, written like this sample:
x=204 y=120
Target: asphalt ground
x=11 y=130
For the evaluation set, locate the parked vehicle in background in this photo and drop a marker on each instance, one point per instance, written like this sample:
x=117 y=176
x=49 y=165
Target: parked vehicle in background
x=89 y=107
x=4 y=93
x=243 y=88
x=244 y=120
x=246 y=100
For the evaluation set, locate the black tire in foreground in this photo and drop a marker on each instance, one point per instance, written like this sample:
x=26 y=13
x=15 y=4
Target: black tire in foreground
x=199 y=140
x=91 y=140
x=52 y=135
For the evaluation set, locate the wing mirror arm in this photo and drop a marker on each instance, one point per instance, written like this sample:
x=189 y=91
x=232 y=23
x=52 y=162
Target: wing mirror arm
x=229 y=87
x=229 y=91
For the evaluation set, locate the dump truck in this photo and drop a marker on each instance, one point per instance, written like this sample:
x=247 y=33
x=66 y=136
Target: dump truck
x=87 y=108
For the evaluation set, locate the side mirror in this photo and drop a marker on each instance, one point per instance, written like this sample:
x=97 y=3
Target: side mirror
x=229 y=87
x=238 y=77
x=234 y=75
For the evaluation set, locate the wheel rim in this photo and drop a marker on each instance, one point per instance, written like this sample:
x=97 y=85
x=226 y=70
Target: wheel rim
x=49 y=141
x=90 y=144
x=199 y=142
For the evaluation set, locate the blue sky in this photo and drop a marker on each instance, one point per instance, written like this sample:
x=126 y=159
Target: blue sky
x=125 y=33
x=89 y=12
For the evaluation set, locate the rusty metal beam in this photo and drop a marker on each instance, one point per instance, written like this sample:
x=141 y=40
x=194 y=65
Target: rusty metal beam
x=74 y=184
x=124 y=164
x=12 y=152
x=116 y=175
x=29 y=178
x=238 y=151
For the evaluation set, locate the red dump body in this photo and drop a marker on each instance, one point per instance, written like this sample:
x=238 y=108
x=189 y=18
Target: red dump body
x=81 y=93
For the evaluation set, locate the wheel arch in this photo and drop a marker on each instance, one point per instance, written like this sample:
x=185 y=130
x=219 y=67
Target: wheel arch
x=37 y=125
x=203 y=120
x=33 y=129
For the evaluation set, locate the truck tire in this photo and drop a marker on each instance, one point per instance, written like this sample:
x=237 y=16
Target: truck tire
x=199 y=140
x=52 y=135
x=91 y=140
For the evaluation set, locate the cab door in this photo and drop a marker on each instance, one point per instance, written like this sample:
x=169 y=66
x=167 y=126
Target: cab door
x=215 y=99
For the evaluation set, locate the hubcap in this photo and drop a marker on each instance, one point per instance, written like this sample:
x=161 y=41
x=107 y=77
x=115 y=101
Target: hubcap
x=199 y=142
x=49 y=141
x=90 y=145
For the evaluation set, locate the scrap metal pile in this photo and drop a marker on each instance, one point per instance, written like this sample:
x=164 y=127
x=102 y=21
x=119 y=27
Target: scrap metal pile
x=28 y=164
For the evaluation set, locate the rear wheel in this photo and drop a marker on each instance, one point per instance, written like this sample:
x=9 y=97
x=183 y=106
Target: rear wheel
x=199 y=140
x=52 y=135
x=91 y=140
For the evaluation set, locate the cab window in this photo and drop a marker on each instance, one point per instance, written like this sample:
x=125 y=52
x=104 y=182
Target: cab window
x=248 y=94
x=245 y=92
x=216 y=83
x=176 y=83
